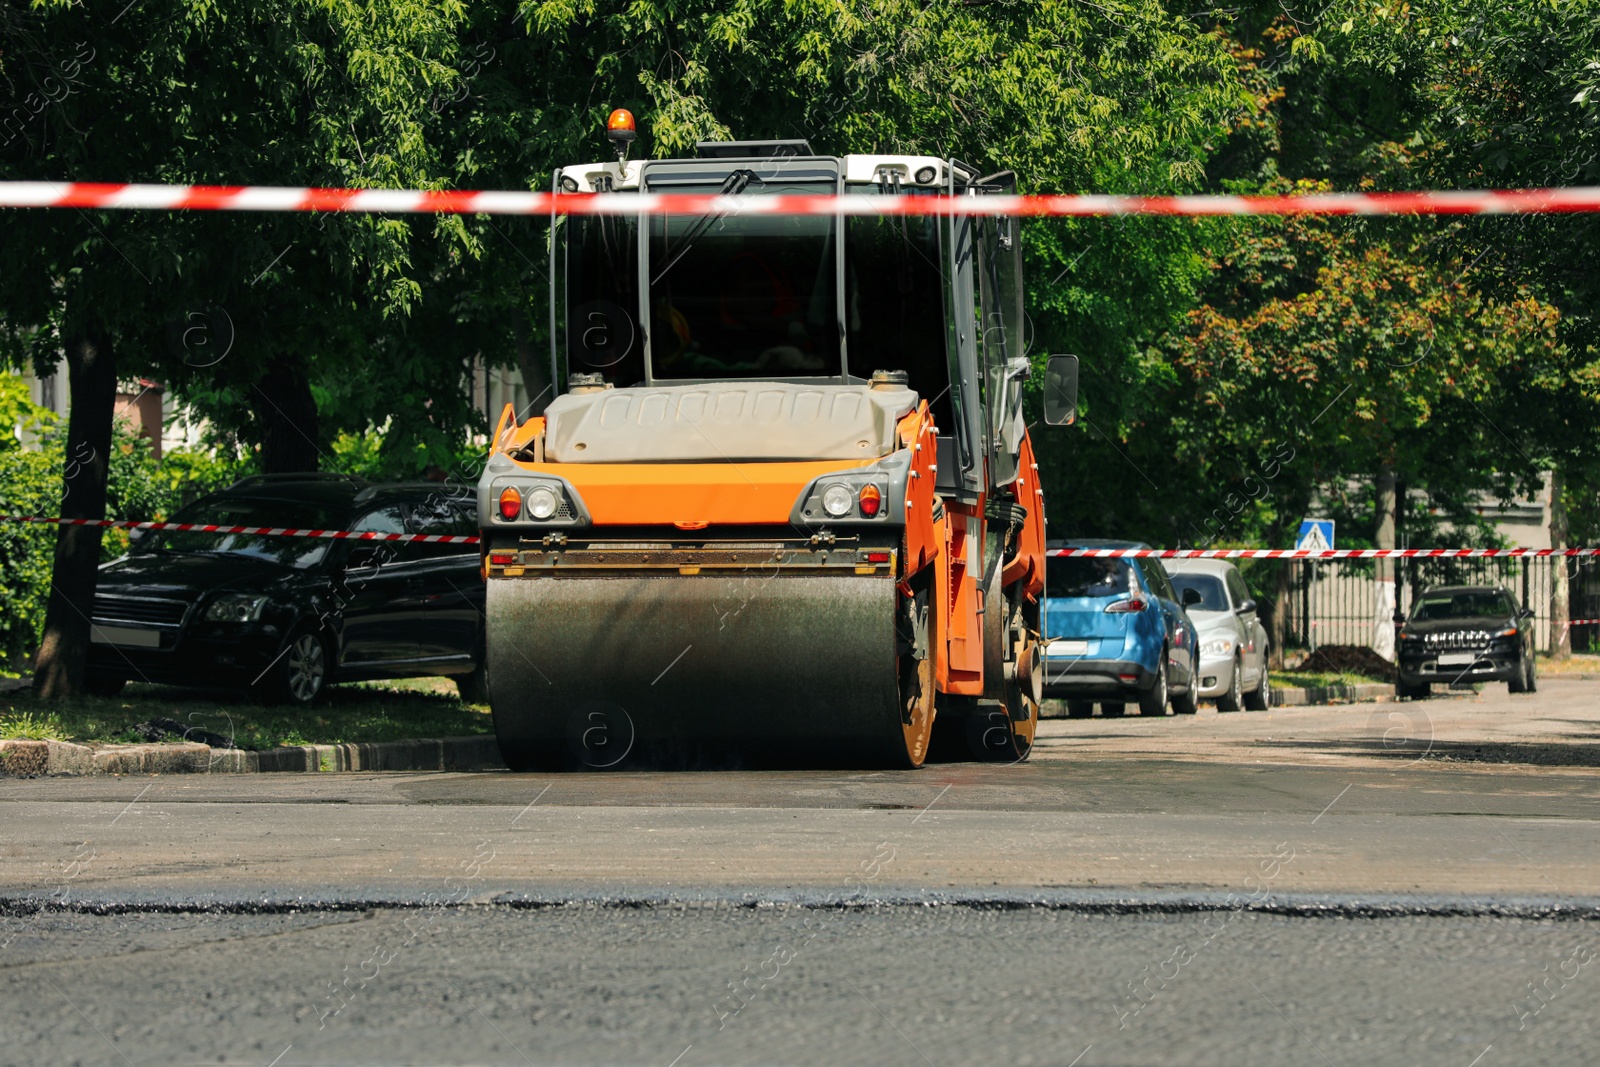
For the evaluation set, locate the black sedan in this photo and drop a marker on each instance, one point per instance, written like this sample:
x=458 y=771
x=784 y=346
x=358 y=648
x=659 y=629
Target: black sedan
x=1464 y=634
x=289 y=615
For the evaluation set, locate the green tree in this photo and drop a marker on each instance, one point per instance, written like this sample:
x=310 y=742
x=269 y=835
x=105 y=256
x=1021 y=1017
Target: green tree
x=1328 y=353
x=1506 y=95
x=182 y=91
x=1114 y=97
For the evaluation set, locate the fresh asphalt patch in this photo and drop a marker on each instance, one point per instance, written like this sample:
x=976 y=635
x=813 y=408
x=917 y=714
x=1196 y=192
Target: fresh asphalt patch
x=1083 y=902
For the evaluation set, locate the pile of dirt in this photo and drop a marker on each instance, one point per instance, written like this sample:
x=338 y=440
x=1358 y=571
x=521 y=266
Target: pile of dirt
x=1348 y=659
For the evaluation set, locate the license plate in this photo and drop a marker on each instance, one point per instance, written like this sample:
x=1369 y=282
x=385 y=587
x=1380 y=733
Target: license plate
x=1457 y=659
x=125 y=635
x=1068 y=648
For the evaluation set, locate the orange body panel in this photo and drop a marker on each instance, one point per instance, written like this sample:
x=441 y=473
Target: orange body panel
x=1028 y=566
x=947 y=538
x=961 y=627
x=924 y=537
x=692 y=495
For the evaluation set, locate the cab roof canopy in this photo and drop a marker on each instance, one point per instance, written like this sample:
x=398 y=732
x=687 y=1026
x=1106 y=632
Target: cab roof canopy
x=751 y=149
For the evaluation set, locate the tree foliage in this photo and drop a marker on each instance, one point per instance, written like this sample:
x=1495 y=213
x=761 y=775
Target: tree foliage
x=1234 y=370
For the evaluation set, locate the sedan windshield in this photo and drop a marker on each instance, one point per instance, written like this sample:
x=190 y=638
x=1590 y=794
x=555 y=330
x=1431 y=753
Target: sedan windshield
x=1213 y=597
x=1463 y=606
x=297 y=552
x=1077 y=576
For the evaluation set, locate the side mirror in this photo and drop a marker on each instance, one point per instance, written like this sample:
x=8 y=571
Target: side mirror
x=1248 y=607
x=1061 y=390
x=1192 y=597
x=1525 y=613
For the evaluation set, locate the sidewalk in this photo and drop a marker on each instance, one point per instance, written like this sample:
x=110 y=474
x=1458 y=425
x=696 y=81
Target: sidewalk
x=30 y=759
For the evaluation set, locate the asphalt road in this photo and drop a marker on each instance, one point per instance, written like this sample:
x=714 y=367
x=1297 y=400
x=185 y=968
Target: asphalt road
x=1371 y=884
x=889 y=985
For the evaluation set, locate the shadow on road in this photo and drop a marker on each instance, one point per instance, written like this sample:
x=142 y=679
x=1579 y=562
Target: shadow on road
x=1542 y=754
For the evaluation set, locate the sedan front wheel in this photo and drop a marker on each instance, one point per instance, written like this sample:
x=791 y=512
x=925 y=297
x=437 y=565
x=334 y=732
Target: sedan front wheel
x=1232 y=699
x=301 y=673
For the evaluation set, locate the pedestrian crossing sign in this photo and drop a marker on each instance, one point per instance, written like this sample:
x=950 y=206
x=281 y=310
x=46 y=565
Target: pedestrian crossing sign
x=1316 y=535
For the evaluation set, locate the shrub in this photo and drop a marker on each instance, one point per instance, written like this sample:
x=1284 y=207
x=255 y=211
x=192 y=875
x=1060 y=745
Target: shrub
x=30 y=484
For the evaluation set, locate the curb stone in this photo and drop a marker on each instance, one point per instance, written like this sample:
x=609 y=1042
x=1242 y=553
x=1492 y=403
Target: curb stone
x=1331 y=694
x=32 y=759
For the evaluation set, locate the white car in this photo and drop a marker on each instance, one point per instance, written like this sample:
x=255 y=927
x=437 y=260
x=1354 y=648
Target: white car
x=1233 y=643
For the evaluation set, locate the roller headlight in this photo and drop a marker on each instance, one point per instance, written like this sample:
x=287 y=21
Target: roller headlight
x=236 y=608
x=926 y=175
x=542 y=502
x=837 y=500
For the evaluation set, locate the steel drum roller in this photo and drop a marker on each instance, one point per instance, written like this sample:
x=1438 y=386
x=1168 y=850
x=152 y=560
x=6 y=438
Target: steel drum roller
x=805 y=663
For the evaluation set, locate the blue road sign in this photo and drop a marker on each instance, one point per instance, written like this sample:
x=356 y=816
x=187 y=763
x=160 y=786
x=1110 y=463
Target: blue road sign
x=1316 y=535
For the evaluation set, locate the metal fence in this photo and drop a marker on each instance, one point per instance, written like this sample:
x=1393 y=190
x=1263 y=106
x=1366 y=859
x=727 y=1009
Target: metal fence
x=1333 y=602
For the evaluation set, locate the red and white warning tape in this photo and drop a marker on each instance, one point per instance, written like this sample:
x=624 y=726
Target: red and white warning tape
x=473 y=202
x=264 y=531
x=1340 y=553
x=1094 y=553
x=1582 y=622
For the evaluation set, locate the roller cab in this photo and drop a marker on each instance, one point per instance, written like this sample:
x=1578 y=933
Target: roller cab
x=785 y=499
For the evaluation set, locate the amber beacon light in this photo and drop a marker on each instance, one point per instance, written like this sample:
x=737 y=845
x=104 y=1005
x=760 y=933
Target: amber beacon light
x=620 y=129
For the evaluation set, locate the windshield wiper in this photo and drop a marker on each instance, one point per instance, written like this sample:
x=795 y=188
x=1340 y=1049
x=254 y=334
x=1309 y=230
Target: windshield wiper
x=732 y=185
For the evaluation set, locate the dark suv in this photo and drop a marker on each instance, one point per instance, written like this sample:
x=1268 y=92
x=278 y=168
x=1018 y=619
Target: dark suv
x=289 y=615
x=1463 y=634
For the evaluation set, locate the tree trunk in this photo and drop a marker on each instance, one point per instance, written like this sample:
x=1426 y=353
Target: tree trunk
x=1383 y=537
x=1274 y=607
x=60 y=667
x=1277 y=616
x=288 y=415
x=1560 y=607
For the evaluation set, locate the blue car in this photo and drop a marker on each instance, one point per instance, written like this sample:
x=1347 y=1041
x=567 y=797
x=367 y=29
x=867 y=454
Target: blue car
x=1116 y=631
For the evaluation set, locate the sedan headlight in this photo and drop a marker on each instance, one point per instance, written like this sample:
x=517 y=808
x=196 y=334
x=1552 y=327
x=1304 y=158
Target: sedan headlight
x=236 y=608
x=1218 y=647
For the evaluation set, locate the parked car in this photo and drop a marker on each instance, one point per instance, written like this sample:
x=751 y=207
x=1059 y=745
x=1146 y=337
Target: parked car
x=1233 y=643
x=1464 y=634
x=1114 y=632
x=289 y=615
